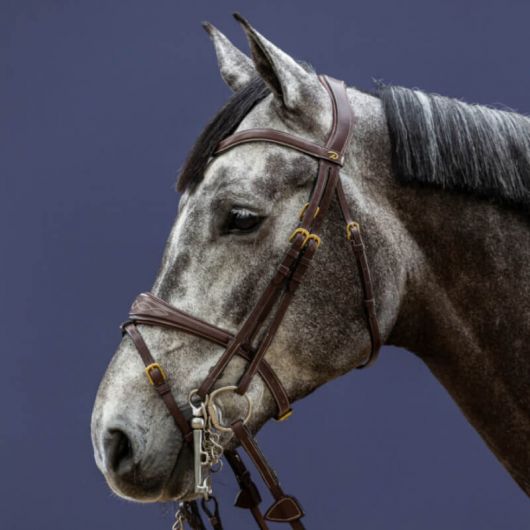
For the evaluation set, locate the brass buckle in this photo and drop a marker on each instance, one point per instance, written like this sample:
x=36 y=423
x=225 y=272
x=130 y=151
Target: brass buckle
x=314 y=237
x=333 y=155
x=304 y=208
x=150 y=368
x=307 y=236
x=350 y=227
x=302 y=231
x=285 y=415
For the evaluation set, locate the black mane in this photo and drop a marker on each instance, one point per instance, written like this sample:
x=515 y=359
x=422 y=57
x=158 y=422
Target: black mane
x=445 y=142
x=223 y=124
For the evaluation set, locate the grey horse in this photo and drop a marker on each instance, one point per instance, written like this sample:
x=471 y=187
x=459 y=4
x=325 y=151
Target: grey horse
x=441 y=190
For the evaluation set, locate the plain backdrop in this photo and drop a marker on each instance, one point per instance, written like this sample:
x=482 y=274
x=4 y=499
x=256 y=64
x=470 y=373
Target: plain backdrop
x=100 y=101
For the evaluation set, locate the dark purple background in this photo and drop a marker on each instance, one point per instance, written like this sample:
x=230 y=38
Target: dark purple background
x=100 y=102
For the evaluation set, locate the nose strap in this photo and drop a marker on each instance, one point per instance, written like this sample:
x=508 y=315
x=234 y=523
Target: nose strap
x=150 y=310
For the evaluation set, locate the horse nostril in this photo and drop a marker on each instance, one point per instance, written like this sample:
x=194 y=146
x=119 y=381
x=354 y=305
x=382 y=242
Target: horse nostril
x=118 y=451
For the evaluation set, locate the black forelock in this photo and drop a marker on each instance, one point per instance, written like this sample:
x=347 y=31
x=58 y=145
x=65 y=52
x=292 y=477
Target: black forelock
x=224 y=123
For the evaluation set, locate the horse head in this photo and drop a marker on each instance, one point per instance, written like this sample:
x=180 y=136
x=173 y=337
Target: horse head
x=237 y=211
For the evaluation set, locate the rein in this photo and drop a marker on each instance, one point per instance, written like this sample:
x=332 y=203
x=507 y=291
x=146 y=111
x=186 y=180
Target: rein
x=204 y=428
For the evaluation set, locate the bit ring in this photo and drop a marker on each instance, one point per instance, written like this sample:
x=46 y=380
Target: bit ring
x=214 y=411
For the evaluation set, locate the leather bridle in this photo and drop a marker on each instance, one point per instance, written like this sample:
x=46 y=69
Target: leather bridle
x=256 y=334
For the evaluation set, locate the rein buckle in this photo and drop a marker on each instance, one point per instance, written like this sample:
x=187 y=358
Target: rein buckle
x=352 y=226
x=304 y=209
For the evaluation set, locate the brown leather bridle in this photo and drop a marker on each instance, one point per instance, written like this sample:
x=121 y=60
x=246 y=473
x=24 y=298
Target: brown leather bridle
x=256 y=334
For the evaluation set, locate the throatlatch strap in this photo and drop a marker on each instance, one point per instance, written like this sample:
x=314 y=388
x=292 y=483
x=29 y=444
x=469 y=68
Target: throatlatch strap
x=353 y=234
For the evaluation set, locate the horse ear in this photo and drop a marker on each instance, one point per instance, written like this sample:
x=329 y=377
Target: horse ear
x=236 y=68
x=288 y=80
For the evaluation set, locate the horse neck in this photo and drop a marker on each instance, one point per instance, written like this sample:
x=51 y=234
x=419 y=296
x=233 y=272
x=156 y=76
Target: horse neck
x=466 y=311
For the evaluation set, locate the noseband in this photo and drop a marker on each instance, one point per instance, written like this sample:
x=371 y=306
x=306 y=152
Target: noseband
x=256 y=334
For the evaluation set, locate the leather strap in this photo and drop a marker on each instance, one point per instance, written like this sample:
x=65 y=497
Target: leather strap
x=359 y=251
x=256 y=317
x=214 y=517
x=149 y=309
x=248 y=496
x=159 y=381
x=279 y=138
x=285 y=509
x=191 y=514
x=295 y=280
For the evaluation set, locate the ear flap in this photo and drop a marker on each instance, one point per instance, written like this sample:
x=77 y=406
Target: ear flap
x=288 y=80
x=236 y=68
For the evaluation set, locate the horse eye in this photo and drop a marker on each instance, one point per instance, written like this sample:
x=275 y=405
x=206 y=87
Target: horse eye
x=241 y=220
